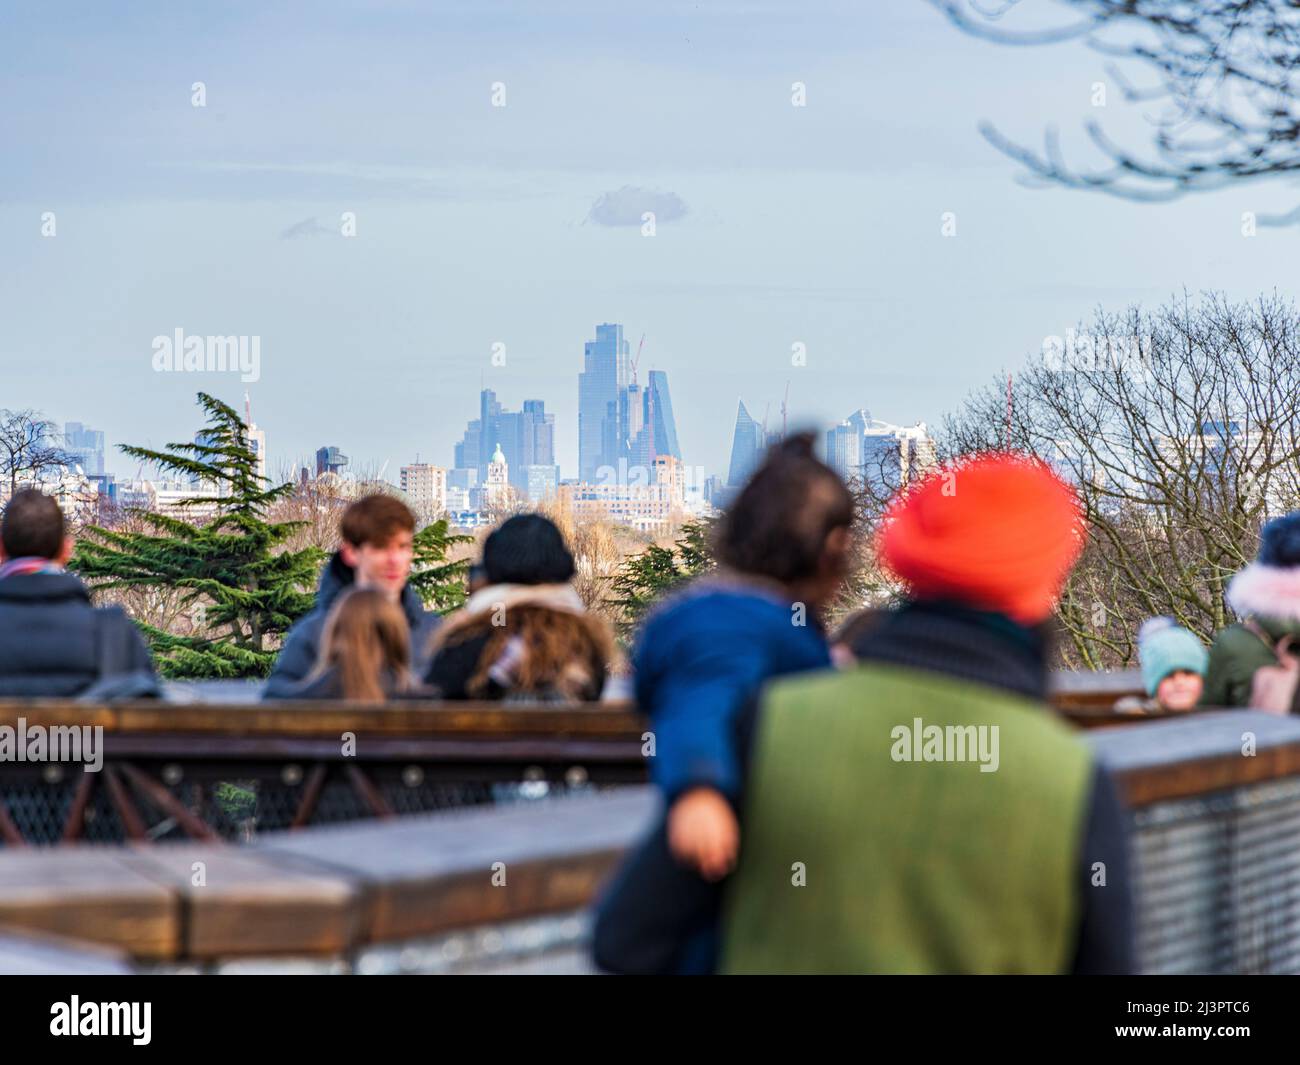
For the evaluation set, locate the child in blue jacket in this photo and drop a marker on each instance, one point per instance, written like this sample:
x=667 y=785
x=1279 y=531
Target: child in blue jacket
x=783 y=549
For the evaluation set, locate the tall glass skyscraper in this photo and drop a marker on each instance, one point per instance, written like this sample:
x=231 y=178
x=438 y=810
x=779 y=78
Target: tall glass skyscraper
x=746 y=445
x=650 y=416
x=602 y=402
x=660 y=415
x=845 y=444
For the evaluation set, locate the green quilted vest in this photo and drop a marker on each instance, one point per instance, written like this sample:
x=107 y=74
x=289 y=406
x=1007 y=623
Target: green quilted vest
x=855 y=860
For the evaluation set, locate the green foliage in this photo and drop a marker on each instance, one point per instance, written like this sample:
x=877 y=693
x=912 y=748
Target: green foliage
x=241 y=588
x=440 y=584
x=646 y=578
x=237 y=800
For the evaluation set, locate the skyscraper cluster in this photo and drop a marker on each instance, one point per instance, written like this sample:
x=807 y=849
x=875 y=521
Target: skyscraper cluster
x=526 y=439
x=87 y=445
x=621 y=423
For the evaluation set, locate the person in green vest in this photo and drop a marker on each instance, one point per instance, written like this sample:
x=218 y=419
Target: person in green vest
x=922 y=810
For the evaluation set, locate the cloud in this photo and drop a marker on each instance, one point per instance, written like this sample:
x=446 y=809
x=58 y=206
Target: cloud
x=308 y=227
x=625 y=206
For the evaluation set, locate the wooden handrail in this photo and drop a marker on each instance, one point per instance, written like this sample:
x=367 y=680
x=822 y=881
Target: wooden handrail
x=335 y=889
x=1088 y=697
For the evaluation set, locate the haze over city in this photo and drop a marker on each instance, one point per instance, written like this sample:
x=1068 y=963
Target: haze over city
x=479 y=225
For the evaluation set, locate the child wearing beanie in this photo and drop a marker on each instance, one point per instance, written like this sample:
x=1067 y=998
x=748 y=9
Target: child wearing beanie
x=1173 y=665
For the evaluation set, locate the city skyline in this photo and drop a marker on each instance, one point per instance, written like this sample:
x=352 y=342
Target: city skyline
x=777 y=225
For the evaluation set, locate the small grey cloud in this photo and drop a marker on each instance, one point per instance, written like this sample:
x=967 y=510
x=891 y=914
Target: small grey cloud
x=308 y=227
x=625 y=206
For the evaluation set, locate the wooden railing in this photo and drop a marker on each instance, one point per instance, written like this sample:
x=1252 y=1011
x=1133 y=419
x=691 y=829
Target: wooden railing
x=331 y=891
x=172 y=769
x=325 y=890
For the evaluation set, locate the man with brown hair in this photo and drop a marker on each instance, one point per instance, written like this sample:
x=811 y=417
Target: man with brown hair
x=376 y=547
x=52 y=641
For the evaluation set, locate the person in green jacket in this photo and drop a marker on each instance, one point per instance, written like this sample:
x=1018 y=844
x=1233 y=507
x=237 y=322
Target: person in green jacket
x=924 y=811
x=1266 y=596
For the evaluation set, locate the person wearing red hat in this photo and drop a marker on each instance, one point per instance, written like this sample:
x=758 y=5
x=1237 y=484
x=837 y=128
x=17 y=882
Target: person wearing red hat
x=923 y=811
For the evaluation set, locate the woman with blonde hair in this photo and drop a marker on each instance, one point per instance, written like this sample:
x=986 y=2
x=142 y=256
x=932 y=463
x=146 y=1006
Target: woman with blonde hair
x=365 y=653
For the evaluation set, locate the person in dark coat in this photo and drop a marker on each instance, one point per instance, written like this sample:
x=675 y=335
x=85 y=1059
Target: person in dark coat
x=864 y=853
x=376 y=549
x=524 y=633
x=1266 y=596
x=53 y=642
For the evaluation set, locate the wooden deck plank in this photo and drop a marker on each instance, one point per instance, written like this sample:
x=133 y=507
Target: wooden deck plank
x=88 y=893
x=236 y=901
x=426 y=875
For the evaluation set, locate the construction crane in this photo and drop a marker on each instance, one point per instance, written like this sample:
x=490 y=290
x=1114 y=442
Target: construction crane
x=649 y=402
x=636 y=360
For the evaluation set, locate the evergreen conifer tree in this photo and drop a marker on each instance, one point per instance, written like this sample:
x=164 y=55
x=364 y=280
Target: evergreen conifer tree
x=243 y=588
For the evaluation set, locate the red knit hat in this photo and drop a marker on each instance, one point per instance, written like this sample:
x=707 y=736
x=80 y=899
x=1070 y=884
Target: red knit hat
x=995 y=531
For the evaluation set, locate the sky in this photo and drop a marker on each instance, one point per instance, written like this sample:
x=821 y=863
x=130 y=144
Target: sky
x=478 y=226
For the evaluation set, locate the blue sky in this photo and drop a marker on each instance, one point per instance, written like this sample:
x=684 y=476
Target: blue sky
x=818 y=225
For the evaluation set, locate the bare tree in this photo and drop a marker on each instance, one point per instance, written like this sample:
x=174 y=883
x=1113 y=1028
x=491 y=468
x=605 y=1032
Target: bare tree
x=1181 y=430
x=1223 y=75
x=27 y=448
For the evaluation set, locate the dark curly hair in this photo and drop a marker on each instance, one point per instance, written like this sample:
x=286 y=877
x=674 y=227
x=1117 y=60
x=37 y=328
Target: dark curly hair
x=778 y=525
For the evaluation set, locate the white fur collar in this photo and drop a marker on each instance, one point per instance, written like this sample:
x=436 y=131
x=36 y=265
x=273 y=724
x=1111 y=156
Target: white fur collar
x=1267 y=591
x=556 y=596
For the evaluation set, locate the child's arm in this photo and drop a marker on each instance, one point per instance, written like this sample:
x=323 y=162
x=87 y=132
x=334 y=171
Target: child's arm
x=703 y=832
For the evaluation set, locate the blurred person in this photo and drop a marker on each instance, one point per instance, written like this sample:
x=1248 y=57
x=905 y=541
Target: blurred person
x=923 y=811
x=53 y=642
x=475 y=578
x=1173 y=664
x=525 y=633
x=375 y=551
x=851 y=629
x=783 y=548
x=1266 y=596
x=365 y=652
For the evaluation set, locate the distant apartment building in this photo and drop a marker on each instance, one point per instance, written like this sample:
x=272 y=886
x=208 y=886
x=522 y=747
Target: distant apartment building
x=76 y=493
x=541 y=483
x=166 y=497
x=654 y=507
x=458 y=499
x=426 y=488
x=894 y=455
x=330 y=460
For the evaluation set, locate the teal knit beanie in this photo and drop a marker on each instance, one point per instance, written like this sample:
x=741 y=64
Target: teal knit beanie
x=1165 y=647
